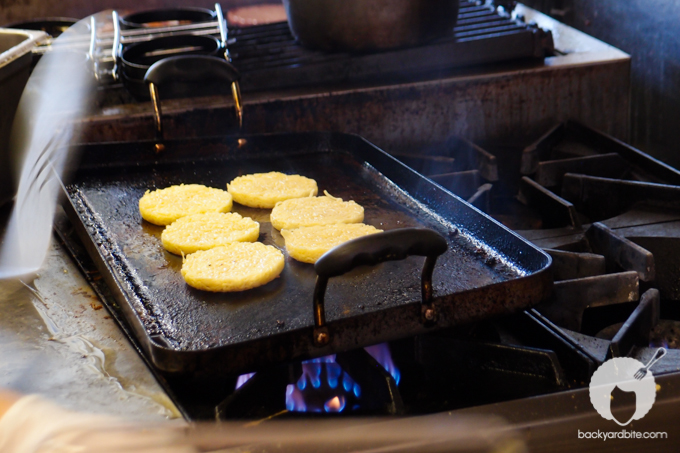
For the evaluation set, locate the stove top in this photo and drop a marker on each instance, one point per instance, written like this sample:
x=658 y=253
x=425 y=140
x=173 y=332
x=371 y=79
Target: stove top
x=269 y=57
x=608 y=216
x=583 y=78
x=604 y=211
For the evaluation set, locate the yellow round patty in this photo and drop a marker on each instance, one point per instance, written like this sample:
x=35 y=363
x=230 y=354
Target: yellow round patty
x=312 y=211
x=205 y=231
x=264 y=190
x=309 y=243
x=234 y=267
x=164 y=206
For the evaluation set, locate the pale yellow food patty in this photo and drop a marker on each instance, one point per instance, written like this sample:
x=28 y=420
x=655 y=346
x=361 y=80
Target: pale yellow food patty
x=313 y=211
x=235 y=267
x=264 y=190
x=205 y=231
x=164 y=206
x=309 y=243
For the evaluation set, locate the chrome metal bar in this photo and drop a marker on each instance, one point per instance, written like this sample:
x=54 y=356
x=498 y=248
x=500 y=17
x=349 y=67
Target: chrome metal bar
x=105 y=36
x=149 y=36
x=171 y=28
x=222 y=25
x=116 y=44
x=93 y=47
x=93 y=37
x=235 y=87
x=108 y=39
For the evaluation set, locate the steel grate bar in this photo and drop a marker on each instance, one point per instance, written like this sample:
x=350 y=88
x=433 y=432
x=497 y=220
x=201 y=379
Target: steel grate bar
x=269 y=57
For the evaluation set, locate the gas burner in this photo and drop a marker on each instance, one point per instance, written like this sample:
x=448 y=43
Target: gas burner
x=604 y=206
x=359 y=382
x=666 y=334
x=597 y=206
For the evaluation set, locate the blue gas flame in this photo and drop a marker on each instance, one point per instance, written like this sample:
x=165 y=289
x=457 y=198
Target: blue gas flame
x=325 y=387
x=381 y=353
x=242 y=379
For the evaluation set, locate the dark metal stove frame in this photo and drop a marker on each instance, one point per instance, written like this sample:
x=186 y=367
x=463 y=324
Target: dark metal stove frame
x=600 y=268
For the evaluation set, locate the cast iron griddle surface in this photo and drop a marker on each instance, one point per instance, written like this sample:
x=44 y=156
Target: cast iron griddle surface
x=189 y=319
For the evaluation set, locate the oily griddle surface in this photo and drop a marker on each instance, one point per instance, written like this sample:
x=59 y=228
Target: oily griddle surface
x=188 y=319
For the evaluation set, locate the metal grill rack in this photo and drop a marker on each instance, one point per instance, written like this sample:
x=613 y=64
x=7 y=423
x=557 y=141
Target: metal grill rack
x=268 y=56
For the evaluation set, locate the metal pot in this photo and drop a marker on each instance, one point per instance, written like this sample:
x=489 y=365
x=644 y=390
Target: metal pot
x=137 y=58
x=156 y=17
x=361 y=25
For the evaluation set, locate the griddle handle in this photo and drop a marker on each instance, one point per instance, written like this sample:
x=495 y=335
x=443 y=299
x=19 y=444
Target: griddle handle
x=191 y=68
x=188 y=69
x=370 y=250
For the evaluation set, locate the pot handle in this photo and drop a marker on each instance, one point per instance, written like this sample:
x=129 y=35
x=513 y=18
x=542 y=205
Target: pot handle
x=373 y=249
x=191 y=68
x=187 y=69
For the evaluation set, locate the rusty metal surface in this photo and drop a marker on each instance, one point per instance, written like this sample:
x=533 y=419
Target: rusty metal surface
x=642 y=215
x=442 y=356
x=603 y=198
x=571 y=265
x=182 y=329
x=663 y=241
x=596 y=346
x=555 y=211
x=643 y=230
x=572 y=297
x=621 y=251
x=574 y=140
x=550 y=173
x=401 y=117
x=637 y=329
x=535 y=330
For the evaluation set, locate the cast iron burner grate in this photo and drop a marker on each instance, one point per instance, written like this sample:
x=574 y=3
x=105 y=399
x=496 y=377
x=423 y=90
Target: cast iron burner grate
x=269 y=57
x=609 y=216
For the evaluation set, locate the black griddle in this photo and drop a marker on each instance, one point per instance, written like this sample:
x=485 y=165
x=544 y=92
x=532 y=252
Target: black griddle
x=487 y=270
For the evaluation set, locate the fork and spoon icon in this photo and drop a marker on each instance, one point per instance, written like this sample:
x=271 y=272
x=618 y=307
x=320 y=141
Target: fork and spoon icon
x=642 y=372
